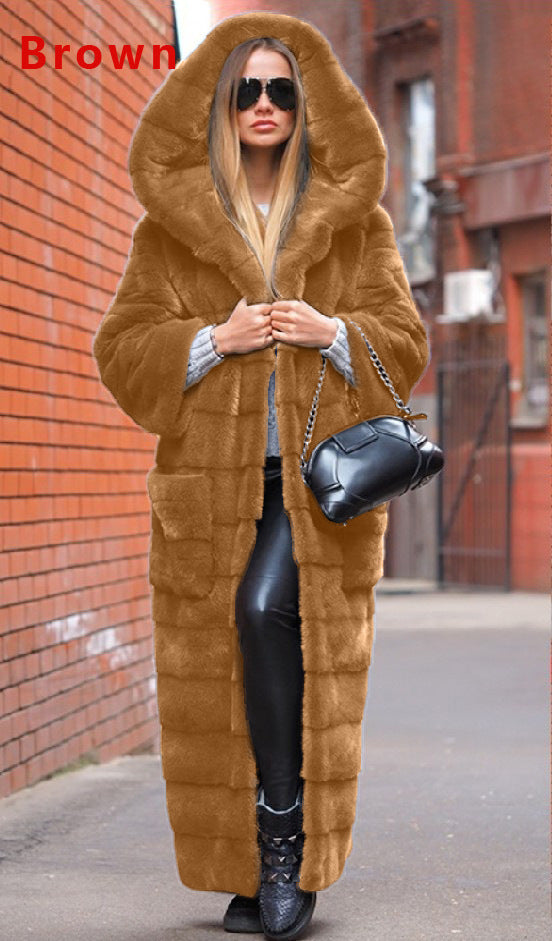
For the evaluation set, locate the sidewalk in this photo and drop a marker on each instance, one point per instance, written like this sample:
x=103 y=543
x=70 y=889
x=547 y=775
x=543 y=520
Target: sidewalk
x=451 y=836
x=448 y=609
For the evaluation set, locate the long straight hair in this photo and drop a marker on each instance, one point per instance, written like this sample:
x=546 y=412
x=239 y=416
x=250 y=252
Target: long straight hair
x=227 y=168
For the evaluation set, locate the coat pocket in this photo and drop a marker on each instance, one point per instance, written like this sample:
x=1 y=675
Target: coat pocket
x=181 y=557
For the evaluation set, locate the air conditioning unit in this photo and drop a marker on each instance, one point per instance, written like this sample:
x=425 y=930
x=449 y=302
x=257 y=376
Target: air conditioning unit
x=467 y=295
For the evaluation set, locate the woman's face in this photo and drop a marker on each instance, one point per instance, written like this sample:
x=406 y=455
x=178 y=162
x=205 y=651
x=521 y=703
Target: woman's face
x=263 y=64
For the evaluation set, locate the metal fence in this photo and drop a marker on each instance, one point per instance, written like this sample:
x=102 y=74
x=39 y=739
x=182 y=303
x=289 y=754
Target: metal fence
x=474 y=502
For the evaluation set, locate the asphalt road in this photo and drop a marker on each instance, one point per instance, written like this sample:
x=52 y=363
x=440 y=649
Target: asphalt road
x=451 y=838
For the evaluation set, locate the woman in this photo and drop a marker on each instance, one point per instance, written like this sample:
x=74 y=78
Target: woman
x=263 y=609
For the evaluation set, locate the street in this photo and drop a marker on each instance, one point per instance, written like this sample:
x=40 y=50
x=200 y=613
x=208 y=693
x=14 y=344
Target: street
x=451 y=838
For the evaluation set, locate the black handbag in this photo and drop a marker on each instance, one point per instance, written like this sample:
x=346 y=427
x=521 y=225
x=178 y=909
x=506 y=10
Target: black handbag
x=367 y=464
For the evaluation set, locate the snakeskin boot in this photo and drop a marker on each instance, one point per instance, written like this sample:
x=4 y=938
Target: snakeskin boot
x=284 y=908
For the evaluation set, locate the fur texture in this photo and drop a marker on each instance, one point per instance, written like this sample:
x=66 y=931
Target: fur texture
x=188 y=266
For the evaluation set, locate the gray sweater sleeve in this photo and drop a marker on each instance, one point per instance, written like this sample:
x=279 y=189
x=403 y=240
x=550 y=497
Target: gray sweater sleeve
x=202 y=356
x=339 y=353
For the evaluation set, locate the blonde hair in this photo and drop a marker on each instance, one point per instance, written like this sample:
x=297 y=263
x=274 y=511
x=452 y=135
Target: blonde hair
x=227 y=166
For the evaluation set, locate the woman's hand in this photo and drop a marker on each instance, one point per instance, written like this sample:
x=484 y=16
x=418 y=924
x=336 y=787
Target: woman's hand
x=247 y=329
x=298 y=323
x=255 y=326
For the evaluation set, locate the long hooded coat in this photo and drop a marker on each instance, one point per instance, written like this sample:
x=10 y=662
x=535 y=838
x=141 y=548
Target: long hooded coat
x=188 y=266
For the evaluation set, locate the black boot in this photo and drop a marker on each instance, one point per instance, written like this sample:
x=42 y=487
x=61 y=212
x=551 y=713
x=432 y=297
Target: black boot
x=285 y=909
x=242 y=915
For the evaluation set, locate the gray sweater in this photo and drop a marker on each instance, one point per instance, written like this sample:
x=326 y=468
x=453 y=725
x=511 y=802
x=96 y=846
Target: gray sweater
x=203 y=357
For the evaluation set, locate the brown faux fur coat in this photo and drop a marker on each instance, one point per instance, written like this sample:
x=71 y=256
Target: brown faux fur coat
x=188 y=266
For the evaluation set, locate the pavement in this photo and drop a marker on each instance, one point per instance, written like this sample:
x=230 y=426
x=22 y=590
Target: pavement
x=452 y=835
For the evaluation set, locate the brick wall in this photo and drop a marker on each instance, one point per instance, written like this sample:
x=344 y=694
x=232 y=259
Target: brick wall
x=77 y=678
x=488 y=61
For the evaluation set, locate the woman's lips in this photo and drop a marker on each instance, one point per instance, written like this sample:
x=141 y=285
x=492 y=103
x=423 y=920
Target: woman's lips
x=265 y=125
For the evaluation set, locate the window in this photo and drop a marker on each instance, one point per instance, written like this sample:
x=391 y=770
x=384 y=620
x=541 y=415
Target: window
x=418 y=129
x=534 y=399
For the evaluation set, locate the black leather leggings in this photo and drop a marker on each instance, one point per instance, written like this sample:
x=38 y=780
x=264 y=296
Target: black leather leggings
x=268 y=622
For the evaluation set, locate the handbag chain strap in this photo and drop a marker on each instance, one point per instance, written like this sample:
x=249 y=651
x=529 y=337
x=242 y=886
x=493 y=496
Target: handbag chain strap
x=384 y=378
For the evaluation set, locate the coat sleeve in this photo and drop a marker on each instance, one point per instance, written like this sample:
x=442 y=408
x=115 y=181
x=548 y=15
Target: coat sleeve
x=143 y=341
x=386 y=311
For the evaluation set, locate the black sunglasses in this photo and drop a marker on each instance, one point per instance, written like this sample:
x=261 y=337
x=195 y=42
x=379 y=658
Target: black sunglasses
x=281 y=92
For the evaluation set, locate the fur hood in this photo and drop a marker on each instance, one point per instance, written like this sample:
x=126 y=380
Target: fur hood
x=169 y=159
